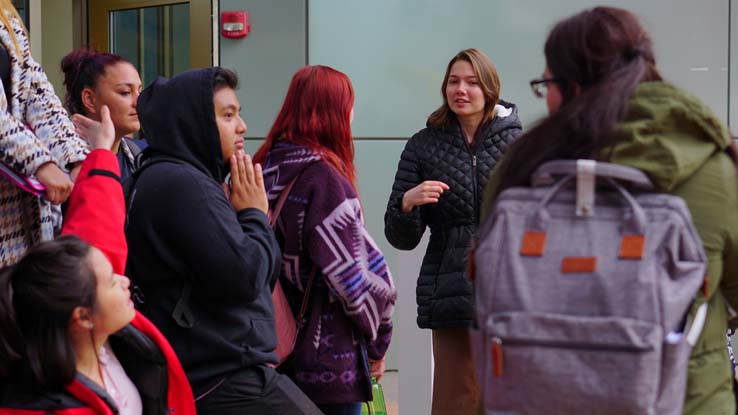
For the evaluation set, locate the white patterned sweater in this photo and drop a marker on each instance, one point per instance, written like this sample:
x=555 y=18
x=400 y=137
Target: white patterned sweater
x=37 y=130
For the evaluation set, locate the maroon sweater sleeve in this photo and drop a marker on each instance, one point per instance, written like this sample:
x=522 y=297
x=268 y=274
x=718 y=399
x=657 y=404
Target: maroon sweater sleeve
x=97 y=212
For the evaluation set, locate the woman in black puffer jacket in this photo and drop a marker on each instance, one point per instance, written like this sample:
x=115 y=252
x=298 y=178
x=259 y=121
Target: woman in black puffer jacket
x=439 y=183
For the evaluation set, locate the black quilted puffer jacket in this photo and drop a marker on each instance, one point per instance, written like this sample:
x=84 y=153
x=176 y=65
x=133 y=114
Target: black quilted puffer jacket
x=444 y=293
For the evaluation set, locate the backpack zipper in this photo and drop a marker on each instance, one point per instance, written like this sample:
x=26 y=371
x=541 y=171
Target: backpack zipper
x=497 y=357
x=498 y=354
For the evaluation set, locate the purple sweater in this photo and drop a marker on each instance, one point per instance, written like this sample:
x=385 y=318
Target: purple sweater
x=353 y=296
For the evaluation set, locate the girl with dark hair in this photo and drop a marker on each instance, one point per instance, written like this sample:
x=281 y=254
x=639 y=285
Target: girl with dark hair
x=607 y=101
x=321 y=230
x=37 y=140
x=70 y=339
x=94 y=79
x=439 y=183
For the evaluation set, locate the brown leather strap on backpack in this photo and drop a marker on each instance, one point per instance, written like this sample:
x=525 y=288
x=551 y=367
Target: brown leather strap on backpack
x=273 y=215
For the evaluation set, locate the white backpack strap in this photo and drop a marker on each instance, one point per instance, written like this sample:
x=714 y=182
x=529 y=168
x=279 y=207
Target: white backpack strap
x=586 y=178
x=550 y=171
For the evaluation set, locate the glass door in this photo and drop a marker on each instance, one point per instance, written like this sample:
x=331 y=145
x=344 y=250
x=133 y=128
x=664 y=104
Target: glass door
x=160 y=37
x=22 y=7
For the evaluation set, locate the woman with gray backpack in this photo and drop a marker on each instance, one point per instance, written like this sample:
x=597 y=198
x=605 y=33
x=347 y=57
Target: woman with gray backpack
x=607 y=101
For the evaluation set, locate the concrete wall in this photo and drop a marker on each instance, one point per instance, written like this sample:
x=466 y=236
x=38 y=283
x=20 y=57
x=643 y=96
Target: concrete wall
x=57 y=38
x=36 y=34
x=396 y=53
x=267 y=58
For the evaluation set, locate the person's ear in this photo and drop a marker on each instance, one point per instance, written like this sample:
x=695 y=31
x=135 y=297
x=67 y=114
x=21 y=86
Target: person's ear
x=82 y=318
x=89 y=101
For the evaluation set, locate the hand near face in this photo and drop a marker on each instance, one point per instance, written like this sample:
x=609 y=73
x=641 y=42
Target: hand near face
x=58 y=184
x=99 y=134
x=247 y=184
x=427 y=192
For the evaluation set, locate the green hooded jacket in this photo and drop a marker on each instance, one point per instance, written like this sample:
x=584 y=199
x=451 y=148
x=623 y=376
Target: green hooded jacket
x=675 y=139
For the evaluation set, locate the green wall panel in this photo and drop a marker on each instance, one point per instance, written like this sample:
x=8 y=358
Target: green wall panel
x=396 y=51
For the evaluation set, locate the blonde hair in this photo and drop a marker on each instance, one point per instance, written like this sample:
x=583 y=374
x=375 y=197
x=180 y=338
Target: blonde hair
x=489 y=81
x=9 y=12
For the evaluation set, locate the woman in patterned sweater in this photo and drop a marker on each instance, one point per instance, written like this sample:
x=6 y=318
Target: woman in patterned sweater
x=321 y=232
x=36 y=139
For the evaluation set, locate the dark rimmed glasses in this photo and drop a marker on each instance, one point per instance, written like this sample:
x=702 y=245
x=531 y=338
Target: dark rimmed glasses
x=540 y=85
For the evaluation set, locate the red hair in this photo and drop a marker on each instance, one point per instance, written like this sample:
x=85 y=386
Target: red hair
x=316 y=114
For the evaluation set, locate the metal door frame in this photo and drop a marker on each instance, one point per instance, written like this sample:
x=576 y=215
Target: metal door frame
x=201 y=33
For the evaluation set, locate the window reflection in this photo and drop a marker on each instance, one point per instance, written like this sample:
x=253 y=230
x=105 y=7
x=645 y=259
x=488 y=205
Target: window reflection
x=155 y=39
x=22 y=7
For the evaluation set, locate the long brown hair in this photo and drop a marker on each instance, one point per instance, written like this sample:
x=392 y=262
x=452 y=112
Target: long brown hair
x=489 y=81
x=598 y=57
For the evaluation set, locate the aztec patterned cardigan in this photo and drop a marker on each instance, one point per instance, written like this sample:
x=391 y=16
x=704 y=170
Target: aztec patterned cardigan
x=34 y=129
x=349 y=314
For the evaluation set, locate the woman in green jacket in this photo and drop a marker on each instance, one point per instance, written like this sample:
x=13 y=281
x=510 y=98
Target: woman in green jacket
x=607 y=101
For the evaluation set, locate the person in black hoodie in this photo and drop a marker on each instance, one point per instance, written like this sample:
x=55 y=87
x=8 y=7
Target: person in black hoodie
x=204 y=255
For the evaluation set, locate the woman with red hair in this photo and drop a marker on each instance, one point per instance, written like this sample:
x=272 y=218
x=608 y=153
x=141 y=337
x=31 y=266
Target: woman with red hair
x=309 y=153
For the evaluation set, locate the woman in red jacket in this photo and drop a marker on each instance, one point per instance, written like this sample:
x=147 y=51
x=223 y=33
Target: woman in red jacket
x=70 y=339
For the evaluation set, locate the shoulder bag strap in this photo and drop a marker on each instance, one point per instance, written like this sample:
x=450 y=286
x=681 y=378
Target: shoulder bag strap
x=303 y=307
x=273 y=216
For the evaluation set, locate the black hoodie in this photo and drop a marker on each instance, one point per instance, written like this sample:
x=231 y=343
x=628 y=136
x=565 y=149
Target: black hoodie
x=183 y=233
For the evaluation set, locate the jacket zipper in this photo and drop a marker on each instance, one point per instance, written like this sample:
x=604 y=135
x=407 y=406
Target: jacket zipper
x=473 y=155
x=498 y=355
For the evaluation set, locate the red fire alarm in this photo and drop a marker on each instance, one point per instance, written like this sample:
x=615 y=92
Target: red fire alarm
x=234 y=24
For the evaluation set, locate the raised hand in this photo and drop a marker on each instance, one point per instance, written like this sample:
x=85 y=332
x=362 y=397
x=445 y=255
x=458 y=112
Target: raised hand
x=99 y=134
x=427 y=192
x=247 y=184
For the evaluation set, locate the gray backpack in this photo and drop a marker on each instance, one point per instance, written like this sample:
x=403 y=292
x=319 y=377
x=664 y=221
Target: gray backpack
x=583 y=294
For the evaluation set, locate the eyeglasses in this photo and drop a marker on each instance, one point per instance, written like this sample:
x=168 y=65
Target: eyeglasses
x=539 y=86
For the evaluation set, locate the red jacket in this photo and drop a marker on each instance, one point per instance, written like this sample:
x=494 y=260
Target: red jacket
x=96 y=214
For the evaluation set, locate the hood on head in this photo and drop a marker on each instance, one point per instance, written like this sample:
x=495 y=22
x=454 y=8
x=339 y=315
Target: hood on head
x=668 y=134
x=178 y=120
